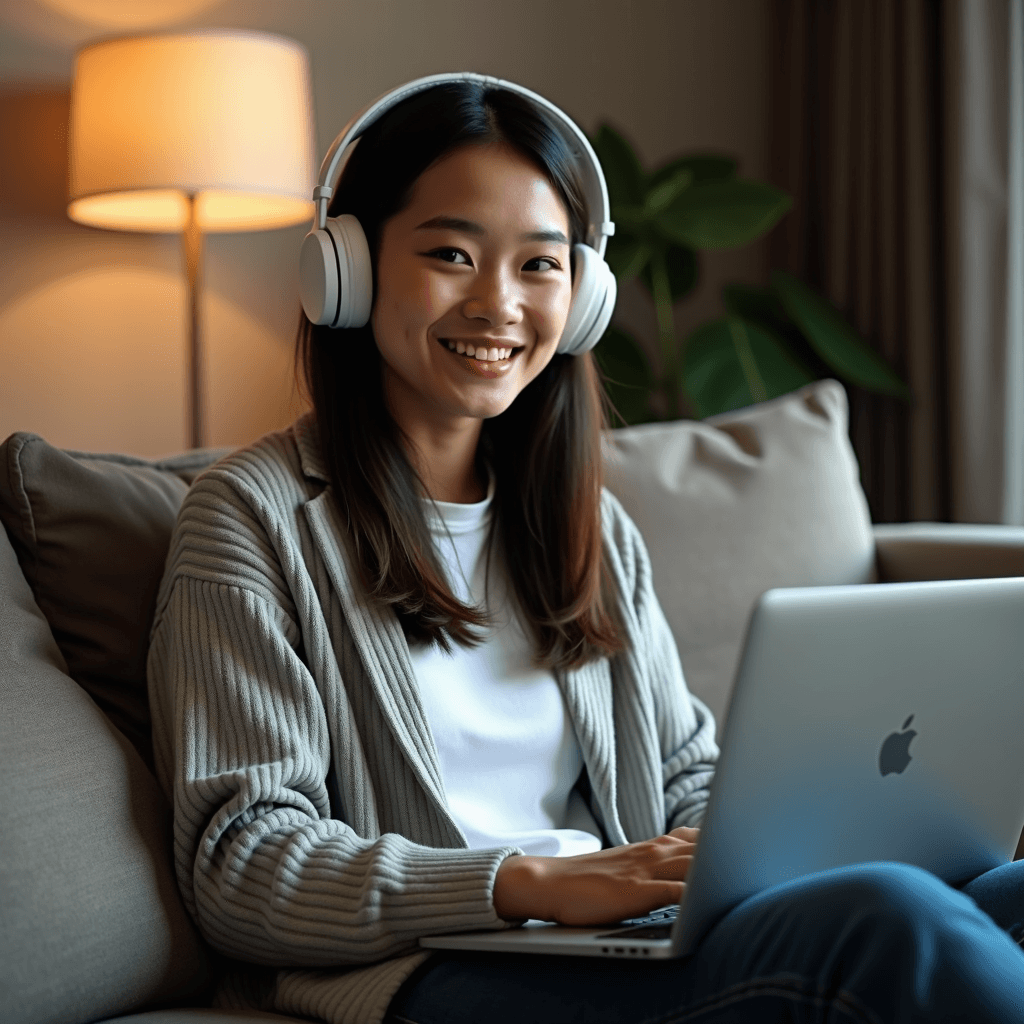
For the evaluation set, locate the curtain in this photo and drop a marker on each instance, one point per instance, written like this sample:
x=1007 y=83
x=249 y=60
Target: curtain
x=1013 y=460
x=986 y=122
x=856 y=136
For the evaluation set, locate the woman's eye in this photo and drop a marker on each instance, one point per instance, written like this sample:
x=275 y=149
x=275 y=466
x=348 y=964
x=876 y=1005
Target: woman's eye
x=542 y=263
x=456 y=256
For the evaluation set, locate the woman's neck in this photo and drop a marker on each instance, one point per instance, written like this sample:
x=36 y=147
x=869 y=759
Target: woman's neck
x=447 y=464
x=464 y=490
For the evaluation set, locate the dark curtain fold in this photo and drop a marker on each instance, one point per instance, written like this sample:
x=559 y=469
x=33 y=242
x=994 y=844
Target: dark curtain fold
x=855 y=124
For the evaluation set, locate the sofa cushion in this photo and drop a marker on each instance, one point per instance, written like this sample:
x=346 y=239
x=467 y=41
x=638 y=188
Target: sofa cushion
x=198 y=1016
x=737 y=504
x=91 y=923
x=91 y=533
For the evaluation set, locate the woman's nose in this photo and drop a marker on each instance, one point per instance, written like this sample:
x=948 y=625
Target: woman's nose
x=495 y=297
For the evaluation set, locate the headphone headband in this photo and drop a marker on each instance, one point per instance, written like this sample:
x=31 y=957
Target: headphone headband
x=594 y=187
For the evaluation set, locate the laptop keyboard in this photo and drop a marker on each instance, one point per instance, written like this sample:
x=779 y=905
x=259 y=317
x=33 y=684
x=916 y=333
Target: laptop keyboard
x=656 y=925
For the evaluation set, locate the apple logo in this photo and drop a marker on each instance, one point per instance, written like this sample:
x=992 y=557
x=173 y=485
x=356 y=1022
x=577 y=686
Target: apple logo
x=895 y=754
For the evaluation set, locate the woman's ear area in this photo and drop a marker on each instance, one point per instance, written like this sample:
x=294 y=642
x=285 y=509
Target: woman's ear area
x=593 y=303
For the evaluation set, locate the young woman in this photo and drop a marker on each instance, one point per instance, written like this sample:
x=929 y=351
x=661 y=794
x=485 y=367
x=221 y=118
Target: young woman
x=409 y=674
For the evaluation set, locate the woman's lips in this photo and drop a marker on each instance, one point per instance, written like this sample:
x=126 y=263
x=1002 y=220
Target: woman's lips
x=489 y=369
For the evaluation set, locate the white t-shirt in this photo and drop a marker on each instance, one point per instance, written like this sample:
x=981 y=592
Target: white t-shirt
x=508 y=753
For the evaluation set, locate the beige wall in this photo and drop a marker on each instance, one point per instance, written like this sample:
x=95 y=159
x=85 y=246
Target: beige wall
x=92 y=322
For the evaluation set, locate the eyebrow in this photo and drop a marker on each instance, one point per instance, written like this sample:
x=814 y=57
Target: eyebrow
x=472 y=228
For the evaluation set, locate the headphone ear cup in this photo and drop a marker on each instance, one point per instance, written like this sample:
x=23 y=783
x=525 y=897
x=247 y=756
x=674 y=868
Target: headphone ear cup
x=318 y=277
x=355 y=272
x=335 y=274
x=593 y=302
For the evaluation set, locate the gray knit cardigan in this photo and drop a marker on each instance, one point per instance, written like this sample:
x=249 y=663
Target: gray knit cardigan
x=312 y=839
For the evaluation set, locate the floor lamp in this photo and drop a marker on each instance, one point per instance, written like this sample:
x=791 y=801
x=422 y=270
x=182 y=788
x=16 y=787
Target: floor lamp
x=209 y=131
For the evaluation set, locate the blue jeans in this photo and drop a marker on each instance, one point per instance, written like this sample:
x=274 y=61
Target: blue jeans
x=876 y=943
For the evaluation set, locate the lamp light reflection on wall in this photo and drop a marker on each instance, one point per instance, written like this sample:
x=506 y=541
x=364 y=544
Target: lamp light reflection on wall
x=209 y=131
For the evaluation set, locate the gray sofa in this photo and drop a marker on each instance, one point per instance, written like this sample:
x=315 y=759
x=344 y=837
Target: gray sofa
x=93 y=927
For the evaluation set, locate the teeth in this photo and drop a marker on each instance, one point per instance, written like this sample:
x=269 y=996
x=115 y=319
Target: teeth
x=489 y=355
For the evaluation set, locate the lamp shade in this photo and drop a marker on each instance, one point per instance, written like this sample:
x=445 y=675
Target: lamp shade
x=224 y=116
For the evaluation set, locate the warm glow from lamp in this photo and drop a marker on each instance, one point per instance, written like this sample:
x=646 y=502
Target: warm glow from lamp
x=209 y=131
x=167 y=210
x=222 y=116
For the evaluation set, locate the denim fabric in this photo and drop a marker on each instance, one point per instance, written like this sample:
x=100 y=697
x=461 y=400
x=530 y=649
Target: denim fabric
x=873 y=943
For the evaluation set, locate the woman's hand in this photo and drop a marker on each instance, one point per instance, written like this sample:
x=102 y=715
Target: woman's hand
x=596 y=888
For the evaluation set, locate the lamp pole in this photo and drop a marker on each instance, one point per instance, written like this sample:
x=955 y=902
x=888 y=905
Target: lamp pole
x=192 y=250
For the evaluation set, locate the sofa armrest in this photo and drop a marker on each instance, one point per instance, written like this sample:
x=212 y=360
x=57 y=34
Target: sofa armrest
x=947 y=551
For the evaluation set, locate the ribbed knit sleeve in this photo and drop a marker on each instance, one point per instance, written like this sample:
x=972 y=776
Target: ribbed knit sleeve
x=243 y=747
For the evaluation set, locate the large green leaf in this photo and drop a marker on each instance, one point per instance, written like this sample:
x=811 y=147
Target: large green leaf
x=834 y=339
x=722 y=214
x=761 y=305
x=630 y=221
x=627 y=373
x=733 y=362
x=702 y=167
x=627 y=255
x=622 y=171
x=683 y=271
x=659 y=197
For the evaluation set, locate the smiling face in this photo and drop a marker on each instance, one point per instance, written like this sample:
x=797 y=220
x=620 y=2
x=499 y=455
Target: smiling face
x=477 y=262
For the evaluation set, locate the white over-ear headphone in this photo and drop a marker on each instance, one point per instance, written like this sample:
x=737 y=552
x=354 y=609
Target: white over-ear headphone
x=335 y=271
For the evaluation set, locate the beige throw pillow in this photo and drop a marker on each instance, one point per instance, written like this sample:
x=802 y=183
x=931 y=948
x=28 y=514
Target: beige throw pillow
x=91 y=921
x=729 y=507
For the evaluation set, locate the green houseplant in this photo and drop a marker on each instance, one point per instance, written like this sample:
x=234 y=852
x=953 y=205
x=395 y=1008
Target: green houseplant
x=770 y=341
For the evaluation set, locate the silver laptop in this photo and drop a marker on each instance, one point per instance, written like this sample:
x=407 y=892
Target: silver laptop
x=868 y=722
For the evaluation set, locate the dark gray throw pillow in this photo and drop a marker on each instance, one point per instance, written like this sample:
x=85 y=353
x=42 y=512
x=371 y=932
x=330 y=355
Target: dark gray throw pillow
x=91 y=534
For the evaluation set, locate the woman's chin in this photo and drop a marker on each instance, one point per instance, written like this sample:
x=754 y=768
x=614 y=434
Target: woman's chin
x=486 y=410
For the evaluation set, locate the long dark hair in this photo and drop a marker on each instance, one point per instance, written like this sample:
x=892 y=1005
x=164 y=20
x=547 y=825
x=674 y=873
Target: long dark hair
x=545 y=449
